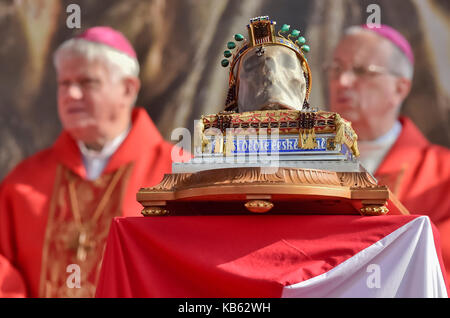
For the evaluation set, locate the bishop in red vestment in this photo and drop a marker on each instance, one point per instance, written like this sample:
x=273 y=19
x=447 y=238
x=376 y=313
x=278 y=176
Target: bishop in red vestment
x=369 y=78
x=418 y=172
x=56 y=206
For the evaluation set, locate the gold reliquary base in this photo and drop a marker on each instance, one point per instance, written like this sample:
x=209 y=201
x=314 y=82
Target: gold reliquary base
x=268 y=191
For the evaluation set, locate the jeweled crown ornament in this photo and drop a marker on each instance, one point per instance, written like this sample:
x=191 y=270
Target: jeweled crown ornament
x=261 y=35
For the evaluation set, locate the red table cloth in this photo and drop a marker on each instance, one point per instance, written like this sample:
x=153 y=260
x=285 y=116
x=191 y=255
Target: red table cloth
x=272 y=256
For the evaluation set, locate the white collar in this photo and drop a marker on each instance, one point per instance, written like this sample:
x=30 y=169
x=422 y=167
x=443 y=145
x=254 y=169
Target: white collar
x=374 y=151
x=388 y=137
x=108 y=149
x=96 y=161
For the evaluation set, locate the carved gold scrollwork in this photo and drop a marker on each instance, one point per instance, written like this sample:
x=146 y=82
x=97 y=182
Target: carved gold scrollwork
x=355 y=180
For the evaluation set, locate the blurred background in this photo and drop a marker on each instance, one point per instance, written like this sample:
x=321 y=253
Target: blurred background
x=180 y=45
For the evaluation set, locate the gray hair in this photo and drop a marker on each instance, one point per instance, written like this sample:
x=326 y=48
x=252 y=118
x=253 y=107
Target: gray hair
x=399 y=64
x=119 y=64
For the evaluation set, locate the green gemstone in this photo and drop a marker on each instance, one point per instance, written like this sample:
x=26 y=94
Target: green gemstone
x=306 y=48
x=231 y=45
x=301 y=40
x=238 y=37
x=295 y=33
x=285 y=28
x=225 y=63
x=227 y=54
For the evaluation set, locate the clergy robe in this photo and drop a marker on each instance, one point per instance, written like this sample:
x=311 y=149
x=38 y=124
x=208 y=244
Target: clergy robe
x=54 y=222
x=418 y=172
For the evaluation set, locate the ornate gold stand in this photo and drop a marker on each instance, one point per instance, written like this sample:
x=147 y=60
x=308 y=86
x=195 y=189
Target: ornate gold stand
x=254 y=190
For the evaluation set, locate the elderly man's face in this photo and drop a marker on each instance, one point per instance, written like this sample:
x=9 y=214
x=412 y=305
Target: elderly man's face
x=272 y=79
x=92 y=106
x=361 y=88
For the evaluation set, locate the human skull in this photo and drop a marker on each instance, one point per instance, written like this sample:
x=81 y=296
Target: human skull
x=271 y=77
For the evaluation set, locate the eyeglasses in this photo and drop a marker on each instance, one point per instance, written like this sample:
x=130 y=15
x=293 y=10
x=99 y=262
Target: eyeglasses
x=335 y=70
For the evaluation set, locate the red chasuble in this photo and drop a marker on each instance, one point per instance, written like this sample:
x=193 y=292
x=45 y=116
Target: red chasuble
x=54 y=222
x=418 y=172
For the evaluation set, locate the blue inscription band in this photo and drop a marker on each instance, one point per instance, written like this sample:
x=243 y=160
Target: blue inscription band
x=282 y=145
